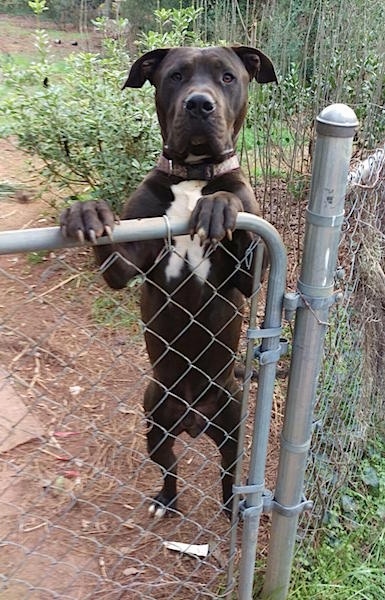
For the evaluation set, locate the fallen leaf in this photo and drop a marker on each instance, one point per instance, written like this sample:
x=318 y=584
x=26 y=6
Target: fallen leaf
x=130 y=571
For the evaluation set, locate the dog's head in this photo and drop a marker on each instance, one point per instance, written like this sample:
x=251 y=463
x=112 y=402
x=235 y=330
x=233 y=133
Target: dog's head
x=201 y=96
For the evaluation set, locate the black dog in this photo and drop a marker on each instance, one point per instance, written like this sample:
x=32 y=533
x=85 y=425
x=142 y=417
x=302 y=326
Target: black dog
x=192 y=298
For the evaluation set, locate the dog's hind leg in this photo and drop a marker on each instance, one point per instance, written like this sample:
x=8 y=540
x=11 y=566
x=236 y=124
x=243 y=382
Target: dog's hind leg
x=160 y=444
x=224 y=432
x=160 y=449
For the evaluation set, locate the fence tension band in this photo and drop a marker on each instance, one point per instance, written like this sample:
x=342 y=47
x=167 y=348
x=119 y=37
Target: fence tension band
x=270 y=504
x=247 y=512
x=244 y=490
x=256 y=334
x=294 y=300
x=266 y=357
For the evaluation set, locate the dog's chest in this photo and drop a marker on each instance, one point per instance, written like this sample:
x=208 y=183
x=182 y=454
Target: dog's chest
x=186 y=250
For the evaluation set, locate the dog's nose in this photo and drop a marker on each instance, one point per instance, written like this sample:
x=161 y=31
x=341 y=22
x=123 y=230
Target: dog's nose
x=199 y=105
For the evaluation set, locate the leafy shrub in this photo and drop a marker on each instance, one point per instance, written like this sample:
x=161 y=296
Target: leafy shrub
x=92 y=137
x=174 y=28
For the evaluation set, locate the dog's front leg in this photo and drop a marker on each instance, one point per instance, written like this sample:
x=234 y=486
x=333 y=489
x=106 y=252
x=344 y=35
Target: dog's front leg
x=91 y=220
x=214 y=217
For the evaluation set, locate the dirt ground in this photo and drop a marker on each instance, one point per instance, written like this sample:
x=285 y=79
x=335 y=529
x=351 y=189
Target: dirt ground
x=73 y=499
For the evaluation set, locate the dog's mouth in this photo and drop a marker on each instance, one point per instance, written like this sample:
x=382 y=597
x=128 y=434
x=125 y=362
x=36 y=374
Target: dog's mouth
x=198 y=140
x=198 y=147
x=200 y=150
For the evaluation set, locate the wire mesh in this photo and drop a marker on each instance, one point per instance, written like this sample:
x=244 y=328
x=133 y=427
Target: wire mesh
x=349 y=398
x=76 y=478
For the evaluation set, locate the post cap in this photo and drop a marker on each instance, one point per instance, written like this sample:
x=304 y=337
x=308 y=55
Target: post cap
x=337 y=120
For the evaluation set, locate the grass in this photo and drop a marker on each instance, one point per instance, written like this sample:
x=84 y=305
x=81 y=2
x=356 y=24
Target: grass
x=8 y=189
x=119 y=310
x=23 y=59
x=36 y=258
x=348 y=560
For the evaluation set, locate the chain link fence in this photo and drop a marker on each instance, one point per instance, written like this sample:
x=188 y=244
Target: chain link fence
x=350 y=401
x=76 y=478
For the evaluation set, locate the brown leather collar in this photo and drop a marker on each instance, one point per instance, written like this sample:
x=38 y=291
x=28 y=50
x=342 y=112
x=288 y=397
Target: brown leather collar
x=202 y=171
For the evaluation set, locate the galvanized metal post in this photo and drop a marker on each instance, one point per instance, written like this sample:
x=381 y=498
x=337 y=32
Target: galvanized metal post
x=335 y=130
x=269 y=354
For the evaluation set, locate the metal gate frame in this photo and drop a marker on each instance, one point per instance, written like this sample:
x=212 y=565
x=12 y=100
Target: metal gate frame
x=269 y=352
x=335 y=128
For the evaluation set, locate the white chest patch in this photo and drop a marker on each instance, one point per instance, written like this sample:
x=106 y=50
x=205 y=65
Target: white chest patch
x=186 y=195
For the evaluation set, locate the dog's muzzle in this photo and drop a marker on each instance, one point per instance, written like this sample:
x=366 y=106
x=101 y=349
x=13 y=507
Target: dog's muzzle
x=199 y=106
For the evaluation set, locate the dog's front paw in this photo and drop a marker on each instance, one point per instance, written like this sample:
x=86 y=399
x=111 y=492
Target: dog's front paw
x=161 y=507
x=87 y=221
x=214 y=217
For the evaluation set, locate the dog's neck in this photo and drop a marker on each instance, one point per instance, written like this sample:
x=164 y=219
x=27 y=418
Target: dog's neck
x=204 y=170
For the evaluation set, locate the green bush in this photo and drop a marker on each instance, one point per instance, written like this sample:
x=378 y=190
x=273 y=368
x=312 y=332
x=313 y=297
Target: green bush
x=174 y=28
x=92 y=137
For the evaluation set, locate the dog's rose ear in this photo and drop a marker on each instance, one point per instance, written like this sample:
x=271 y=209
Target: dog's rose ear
x=144 y=68
x=258 y=65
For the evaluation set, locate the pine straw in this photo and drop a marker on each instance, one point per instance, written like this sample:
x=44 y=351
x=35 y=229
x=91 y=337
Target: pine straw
x=370 y=302
x=366 y=237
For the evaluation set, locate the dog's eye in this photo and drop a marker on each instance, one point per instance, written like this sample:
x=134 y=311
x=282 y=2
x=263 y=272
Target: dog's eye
x=228 y=78
x=176 y=76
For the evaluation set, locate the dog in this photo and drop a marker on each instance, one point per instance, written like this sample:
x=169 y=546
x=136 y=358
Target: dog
x=192 y=298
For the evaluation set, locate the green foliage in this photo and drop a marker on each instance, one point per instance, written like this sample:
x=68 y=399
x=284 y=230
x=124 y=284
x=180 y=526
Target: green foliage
x=36 y=258
x=113 y=28
x=174 y=28
x=348 y=561
x=93 y=138
x=38 y=6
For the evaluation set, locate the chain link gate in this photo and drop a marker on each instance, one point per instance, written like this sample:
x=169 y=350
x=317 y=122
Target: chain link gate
x=82 y=531
x=76 y=477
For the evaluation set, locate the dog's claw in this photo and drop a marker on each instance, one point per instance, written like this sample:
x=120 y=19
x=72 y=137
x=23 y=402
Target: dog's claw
x=229 y=234
x=92 y=236
x=108 y=231
x=80 y=236
x=202 y=236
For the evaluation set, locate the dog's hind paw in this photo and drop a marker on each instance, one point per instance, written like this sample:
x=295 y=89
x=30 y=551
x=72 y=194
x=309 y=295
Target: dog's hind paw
x=160 y=507
x=157 y=511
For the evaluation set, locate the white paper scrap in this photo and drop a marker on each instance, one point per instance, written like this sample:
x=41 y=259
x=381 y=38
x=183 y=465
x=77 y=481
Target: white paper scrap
x=200 y=550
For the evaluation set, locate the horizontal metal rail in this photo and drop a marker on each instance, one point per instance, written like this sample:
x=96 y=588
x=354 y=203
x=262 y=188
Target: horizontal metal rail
x=50 y=238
